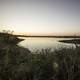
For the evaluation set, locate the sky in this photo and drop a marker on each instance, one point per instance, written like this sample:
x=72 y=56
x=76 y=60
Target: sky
x=38 y=17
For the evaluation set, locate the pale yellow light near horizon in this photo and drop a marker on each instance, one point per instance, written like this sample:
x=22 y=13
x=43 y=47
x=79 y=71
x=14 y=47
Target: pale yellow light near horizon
x=32 y=26
x=41 y=17
x=36 y=26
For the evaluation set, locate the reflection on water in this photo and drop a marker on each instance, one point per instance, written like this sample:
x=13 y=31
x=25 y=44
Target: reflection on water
x=42 y=43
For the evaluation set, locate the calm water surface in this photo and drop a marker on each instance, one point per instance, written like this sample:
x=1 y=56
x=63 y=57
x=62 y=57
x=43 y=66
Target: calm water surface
x=42 y=43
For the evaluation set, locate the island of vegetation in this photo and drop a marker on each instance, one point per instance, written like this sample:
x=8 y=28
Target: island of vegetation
x=75 y=41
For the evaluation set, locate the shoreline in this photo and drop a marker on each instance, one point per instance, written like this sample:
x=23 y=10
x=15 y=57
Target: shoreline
x=48 y=36
x=71 y=41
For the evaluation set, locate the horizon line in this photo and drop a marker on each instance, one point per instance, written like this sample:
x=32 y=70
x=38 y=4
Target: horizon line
x=55 y=36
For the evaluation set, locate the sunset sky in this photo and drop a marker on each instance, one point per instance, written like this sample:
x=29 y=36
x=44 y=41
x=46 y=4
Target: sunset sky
x=41 y=16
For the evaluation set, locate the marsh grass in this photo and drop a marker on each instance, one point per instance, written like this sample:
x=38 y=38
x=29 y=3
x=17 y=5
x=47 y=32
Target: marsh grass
x=61 y=64
x=17 y=63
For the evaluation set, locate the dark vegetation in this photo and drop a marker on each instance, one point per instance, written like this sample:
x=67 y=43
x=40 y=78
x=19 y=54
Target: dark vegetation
x=75 y=41
x=17 y=63
x=47 y=36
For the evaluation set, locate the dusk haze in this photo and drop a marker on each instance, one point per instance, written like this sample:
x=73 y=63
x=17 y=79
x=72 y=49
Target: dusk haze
x=41 y=17
x=39 y=39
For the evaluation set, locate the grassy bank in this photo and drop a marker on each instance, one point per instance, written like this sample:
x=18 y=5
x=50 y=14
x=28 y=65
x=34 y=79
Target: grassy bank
x=17 y=63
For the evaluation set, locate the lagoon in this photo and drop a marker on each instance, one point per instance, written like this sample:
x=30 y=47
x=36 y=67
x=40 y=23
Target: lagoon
x=36 y=43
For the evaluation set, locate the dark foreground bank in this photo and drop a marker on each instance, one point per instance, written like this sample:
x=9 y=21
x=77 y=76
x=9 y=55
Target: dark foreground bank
x=17 y=63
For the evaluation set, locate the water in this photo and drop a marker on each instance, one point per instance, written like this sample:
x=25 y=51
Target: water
x=34 y=44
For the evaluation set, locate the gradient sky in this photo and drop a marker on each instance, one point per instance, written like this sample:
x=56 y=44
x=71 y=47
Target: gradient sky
x=41 y=16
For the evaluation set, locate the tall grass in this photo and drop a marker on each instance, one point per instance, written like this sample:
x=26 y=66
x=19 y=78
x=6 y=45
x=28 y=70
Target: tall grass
x=17 y=63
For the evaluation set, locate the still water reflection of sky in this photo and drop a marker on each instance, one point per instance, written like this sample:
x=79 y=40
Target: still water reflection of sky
x=43 y=43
